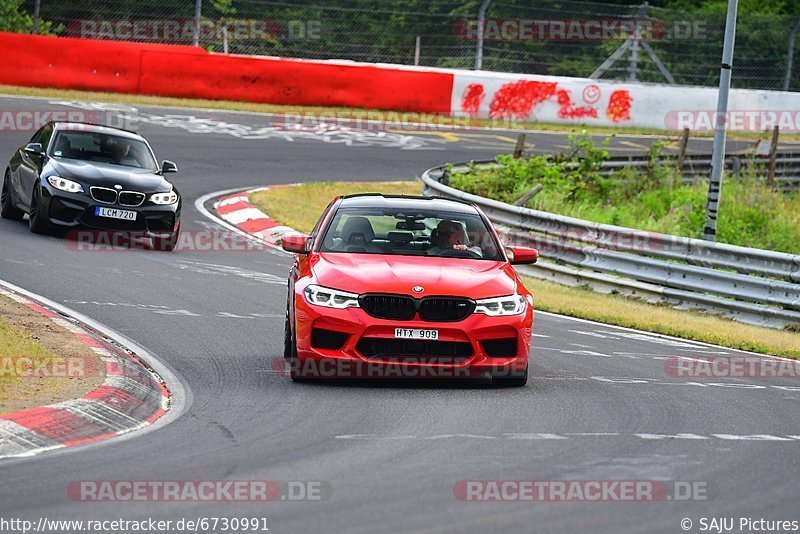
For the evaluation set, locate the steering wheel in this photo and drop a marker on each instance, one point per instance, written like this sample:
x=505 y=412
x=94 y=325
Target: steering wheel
x=458 y=253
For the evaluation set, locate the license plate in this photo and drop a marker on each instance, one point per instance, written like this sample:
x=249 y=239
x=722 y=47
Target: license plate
x=112 y=213
x=411 y=333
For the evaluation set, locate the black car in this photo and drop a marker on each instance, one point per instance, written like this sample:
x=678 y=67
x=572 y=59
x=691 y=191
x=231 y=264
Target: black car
x=76 y=175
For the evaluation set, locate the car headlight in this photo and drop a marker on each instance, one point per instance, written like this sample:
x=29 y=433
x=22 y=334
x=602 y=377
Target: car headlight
x=330 y=298
x=65 y=185
x=164 y=198
x=510 y=305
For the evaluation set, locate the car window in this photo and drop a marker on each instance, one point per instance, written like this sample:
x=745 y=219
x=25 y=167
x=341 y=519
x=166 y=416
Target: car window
x=45 y=134
x=37 y=135
x=103 y=148
x=416 y=233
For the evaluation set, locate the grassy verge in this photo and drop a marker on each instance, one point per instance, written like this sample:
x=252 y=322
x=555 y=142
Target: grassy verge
x=26 y=334
x=407 y=117
x=751 y=213
x=300 y=206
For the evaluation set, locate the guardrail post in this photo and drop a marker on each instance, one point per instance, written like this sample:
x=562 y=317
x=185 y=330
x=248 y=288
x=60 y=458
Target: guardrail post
x=520 y=146
x=773 y=156
x=682 y=150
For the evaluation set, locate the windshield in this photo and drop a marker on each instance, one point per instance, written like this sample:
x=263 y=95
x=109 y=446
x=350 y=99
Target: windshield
x=398 y=231
x=103 y=148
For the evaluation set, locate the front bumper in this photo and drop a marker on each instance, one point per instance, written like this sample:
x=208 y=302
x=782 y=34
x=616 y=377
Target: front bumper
x=477 y=346
x=77 y=210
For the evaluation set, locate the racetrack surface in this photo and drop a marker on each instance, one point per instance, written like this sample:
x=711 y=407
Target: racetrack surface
x=599 y=406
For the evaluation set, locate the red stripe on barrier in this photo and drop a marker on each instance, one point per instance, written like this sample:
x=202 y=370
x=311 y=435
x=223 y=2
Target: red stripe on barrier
x=42 y=311
x=257 y=225
x=88 y=340
x=241 y=205
x=56 y=424
x=190 y=72
x=114 y=368
x=156 y=415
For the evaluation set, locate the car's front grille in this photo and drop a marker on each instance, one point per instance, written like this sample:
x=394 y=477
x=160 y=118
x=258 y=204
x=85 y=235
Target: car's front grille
x=397 y=307
x=131 y=198
x=104 y=194
x=405 y=308
x=440 y=309
x=413 y=349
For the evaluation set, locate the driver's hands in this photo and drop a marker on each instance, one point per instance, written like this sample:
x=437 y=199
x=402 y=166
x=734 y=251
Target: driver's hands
x=459 y=247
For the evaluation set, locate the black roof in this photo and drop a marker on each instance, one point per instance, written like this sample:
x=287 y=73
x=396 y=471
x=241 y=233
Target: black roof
x=95 y=128
x=377 y=200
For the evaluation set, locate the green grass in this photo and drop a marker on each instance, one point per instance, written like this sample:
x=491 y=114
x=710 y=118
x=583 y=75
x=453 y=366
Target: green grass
x=300 y=207
x=15 y=342
x=388 y=115
x=751 y=213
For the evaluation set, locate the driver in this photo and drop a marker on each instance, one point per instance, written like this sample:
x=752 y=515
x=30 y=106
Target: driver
x=123 y=154
x=450 y=235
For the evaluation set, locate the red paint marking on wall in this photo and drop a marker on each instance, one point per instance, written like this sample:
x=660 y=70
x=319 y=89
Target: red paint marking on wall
x=473 y=96
x=518 y=99
x=567 y=109
x=619 y=106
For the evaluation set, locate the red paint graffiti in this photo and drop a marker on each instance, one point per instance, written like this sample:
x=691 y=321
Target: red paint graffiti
x=473 y=96
x=567 y=109
x=517 y=99
x=619 y=106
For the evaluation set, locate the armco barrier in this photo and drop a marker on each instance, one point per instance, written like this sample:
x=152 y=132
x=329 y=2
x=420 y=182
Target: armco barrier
x=751 y=285
x=189 y=72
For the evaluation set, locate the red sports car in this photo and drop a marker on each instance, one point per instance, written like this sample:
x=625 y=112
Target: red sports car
x=400 y=286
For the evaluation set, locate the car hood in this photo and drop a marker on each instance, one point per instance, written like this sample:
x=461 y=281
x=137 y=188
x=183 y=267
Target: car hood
x=106 y=175
x=373 y=273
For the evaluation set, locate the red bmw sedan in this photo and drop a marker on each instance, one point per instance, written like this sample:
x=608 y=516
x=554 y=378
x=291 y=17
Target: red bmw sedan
x=400 y=286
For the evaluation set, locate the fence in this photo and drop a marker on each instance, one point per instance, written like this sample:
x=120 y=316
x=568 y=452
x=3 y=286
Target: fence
x=634 y=42
x=750 y=285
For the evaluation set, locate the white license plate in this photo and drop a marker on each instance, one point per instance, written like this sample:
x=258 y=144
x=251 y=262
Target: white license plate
x=411 y=333
x=111 y=213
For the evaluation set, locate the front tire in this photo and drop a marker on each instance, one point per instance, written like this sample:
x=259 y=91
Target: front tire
x=515 y=379
x=37 y=222
x=7 y=208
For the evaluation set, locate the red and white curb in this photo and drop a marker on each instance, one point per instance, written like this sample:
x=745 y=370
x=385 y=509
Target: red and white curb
x=237 y=210
x=132 y=397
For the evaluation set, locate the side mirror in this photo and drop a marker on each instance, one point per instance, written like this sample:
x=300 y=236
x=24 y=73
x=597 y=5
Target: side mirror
x=522 y=255
x=34 y=148
x=295 y=243
x=168 y=166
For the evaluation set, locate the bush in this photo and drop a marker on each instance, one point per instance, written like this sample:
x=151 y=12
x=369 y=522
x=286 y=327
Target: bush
x=751 y=213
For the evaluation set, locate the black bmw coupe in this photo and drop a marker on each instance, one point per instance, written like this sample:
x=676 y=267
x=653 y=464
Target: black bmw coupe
x=76 y=175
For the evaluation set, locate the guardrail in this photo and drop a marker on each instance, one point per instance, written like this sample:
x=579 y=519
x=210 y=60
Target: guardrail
x=750 y=285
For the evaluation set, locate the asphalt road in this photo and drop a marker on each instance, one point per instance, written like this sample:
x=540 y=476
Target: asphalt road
x=599 y=406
